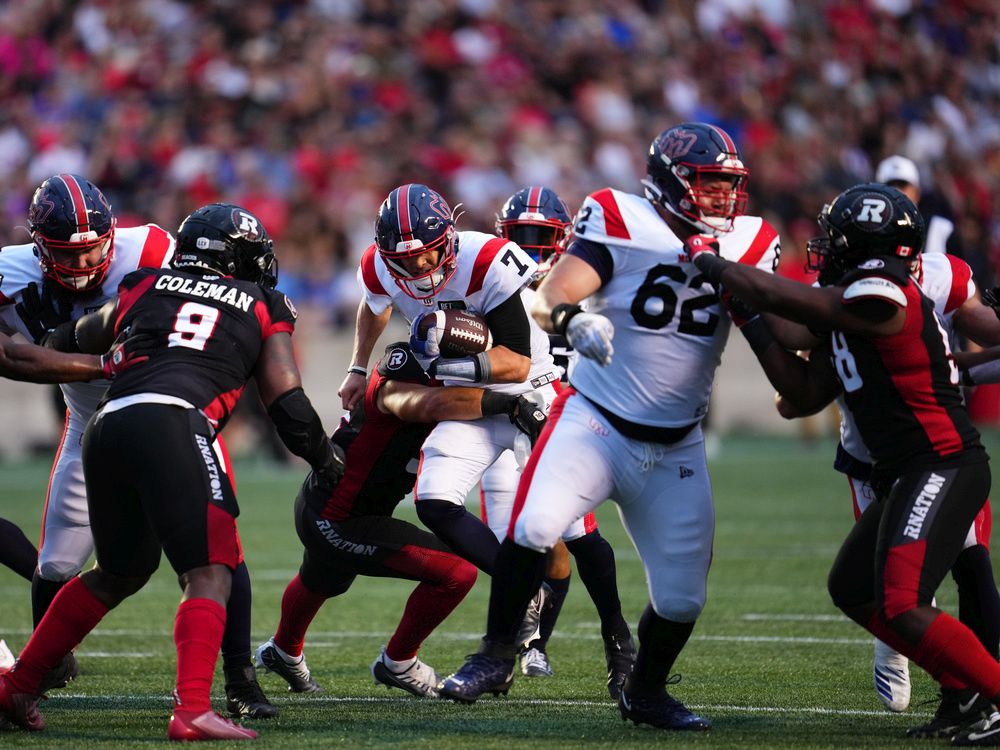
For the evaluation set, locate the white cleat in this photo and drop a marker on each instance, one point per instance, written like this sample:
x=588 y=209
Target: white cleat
x=418 y=679
x=892 y=677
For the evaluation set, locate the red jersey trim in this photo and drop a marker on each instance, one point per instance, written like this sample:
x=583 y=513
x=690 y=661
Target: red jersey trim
x=614 y=224
x=155 y=248
x=128 y=297
x=483 y=262
x=269 y=327
x=223 y=404
x=368 y=273
x=759 y=245
x=960 y=276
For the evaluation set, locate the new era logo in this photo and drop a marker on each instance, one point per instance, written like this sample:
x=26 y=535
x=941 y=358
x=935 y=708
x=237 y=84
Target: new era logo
x=686 y=472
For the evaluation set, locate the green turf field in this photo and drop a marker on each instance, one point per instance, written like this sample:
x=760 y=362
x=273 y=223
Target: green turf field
x=771 y=662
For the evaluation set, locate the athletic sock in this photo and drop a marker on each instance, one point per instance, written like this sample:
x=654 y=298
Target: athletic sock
x=43 y=592
x=519 y=575
x=299 y=606
x=978 y=599
x=236 y=638
x=16 y=551
x=660 y=643
x=198 y=630
x=595 y=564
x=558 y=589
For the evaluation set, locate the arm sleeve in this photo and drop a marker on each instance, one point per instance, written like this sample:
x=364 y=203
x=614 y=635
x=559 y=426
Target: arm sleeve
x=509 y=325
x=596 y=255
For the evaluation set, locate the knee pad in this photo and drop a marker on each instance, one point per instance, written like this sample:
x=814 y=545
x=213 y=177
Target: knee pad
x=58 y=571
x=530 y=533
x=678 y=608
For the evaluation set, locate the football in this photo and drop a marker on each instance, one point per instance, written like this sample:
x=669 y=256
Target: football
x=460 y=333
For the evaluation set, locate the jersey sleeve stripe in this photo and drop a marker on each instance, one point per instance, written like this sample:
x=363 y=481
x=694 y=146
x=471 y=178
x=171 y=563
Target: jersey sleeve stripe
x=155 y=248
x=759 y=245
x=369 y=274
x=268 y=327
x=960 y=290
x=483 y=262
x=614 y=224
x=128 y=297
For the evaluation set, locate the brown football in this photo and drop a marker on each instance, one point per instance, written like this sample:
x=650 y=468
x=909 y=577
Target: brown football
x=461 y=333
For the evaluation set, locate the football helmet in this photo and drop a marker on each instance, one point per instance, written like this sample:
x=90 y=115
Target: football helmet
x=864 y=221
x=411 y=221
x=228 y=239
x=683 y=163
x=538 y=221
x=70 y=216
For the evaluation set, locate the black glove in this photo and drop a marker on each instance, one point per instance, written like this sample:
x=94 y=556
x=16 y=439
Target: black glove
x=528 y=417
x=991 y=298
x=42 y=310
x=329 y=475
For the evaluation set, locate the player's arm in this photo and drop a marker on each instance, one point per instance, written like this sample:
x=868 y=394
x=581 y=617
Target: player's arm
x=367 y=329
x=977 y=322
x=299 y=426
x=510 y=355
x=36 y=364
x=979 y=368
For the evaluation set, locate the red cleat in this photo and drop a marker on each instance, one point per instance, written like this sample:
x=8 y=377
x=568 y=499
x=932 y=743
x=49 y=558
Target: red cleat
x=20 y=708
x=188 y=727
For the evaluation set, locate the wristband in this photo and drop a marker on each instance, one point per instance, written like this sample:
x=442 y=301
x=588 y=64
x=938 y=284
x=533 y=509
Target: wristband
x=711 y=267
x=561 y=316
x=494 y=403
x=475 y=369
x=358 y=370
x=758 y=334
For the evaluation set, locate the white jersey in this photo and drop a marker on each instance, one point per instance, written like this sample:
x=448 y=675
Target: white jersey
x=947 y=281
x=489 y=271
x=670 y=328
x=134 y=247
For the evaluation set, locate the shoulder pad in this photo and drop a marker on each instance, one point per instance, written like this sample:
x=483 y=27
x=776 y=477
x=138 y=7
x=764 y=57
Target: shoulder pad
x=875 y=287
x=886 y=266
x=398 y=363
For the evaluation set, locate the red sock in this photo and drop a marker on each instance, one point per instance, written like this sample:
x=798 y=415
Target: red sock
x=198 y=630
x=950 y=647
x=299 y=606
x=881 y=631
x=431 y=602
x=73 y=613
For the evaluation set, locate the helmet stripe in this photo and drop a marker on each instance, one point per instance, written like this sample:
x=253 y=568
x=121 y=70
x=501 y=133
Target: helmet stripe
x=79 y=204
x=534 y=198
x=730 y=145
x=403 y=211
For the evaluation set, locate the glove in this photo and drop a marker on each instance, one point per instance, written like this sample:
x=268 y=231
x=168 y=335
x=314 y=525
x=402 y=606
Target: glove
x=991 y=298
x=591 y=336
x=738 y=310
x=127 y=351
x=42 y=310
x=529 y=417
x=701 y=243
x=330 y=475
x=425 y=345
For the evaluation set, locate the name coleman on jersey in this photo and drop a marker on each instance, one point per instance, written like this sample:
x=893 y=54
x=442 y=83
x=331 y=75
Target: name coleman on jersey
x=207 y=289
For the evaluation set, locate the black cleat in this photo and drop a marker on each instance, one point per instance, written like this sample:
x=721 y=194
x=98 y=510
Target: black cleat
x=661 y=711
x=480 y=674
x=620 y=655
x=982 y=733
x=244 y=697
x=60 y=675
x=958 y=709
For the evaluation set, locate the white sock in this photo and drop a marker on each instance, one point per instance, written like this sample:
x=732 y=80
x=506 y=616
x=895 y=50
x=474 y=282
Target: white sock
x=289 y=659
x=397 y=666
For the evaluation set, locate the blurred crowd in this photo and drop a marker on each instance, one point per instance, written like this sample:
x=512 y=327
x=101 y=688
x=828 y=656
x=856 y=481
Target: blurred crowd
x=308 y=112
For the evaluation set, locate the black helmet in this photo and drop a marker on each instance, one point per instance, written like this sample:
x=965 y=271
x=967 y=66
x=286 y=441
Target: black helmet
x=228 y=239
x=862 y=222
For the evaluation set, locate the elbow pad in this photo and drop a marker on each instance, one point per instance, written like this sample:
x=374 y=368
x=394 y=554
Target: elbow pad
x=301 y=430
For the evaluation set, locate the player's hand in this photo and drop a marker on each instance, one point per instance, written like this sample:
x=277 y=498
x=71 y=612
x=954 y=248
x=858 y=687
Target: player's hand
x=991 y=298
x=528 y=415
x=591 y=335
x=352 y=390
x=329 y=475
x=425 y=345
x=127 y=351
x=701 y=243
x=42 y=310
x=738 y=310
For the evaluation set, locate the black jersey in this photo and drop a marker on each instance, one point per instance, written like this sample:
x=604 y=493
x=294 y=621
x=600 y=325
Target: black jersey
x=381 y=450
x=902 y=389
x=210 y=329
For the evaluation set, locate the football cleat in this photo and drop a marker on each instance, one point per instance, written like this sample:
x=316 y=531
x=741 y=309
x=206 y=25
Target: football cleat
x=191 y=727
x=6 y=657
x=480 y=674
x=20 y=709
x=244 y=697
x=982 y=733
x=662 y=711
x=957 y=710
x=892 y=677
x=418 y=679
x=60 y=675
x=620 y=655
x=531 y=624
x=535 y=663
x=296 y=673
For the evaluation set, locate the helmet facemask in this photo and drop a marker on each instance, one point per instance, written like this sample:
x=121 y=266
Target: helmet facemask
x=80 y=243
x=426 y=284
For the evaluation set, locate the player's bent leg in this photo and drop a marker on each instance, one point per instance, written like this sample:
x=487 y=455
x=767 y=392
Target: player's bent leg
x=16 y=551
x=459 y=529
x=244 y=696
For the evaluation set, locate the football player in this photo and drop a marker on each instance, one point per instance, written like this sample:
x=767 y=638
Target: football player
x=415 y=267
x=628 y=425
x=381 y=440
x=217 y=321
x=888 y=353
x=77 y=257
x=537 y=220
